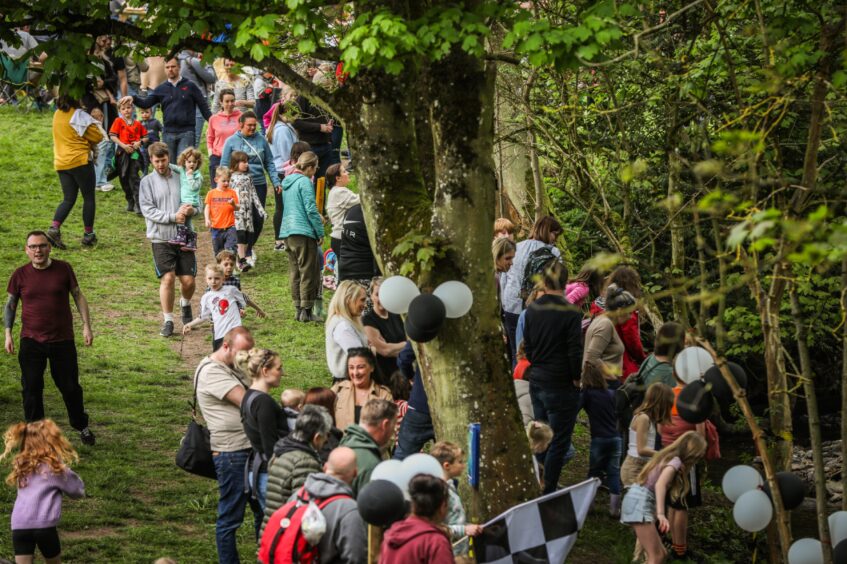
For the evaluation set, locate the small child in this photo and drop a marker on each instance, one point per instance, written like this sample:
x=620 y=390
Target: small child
x=248 y=201
x=221 y=203
x=655 y=410
x=128 y=134
x=604 y=458
x=221 y=304
x=227 y=260
x=540 y=436
x=452 y=460
x=292 y=401
x=401 y=389
x=103 y=154
x=154 y=134
x=503 y=227
x=40 y=472
x=664 y=477
x=190 y=181
x=585 y=288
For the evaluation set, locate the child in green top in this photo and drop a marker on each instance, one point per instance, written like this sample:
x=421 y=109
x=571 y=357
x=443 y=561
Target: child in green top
x=190 y=180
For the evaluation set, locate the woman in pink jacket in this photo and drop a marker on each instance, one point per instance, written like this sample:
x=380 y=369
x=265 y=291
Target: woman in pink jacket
x=221 y=127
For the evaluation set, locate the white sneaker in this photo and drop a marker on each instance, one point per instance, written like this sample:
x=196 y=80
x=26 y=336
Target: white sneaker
x=106 y=187
x=251 y=260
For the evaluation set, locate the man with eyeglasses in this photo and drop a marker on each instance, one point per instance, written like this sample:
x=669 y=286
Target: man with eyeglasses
x=47 y=331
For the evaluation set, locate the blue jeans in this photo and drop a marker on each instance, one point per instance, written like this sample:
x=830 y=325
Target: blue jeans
x=177 y=142
x=214 y=163
x=223 y=239
x=604 y=462
x=199 y=121
x=263 y=487
x=415 y=430
x=105 y=152
x=558 y=407
x=326 y=156
x=233 y=500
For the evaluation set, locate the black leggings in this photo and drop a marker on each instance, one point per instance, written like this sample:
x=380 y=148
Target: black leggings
x=277 y=213
x=24 y=542
x=73 y=181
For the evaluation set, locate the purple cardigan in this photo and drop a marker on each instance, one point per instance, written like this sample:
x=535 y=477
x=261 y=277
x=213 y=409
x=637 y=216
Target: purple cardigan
x=39 y=503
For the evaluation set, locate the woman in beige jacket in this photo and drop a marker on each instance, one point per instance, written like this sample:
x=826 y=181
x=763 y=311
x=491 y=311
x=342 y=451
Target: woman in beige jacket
x=359 y=389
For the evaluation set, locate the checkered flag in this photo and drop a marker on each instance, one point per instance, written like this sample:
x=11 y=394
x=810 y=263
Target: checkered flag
x=542 y=530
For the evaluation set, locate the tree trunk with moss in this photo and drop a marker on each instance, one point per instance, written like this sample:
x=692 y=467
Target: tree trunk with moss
x=423 y=143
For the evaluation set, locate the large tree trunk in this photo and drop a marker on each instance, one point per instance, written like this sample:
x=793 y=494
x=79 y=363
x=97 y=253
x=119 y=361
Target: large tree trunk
x=464 y=369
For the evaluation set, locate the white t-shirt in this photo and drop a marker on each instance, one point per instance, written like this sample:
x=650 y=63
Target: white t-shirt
x=223 y=308
x=27 y=42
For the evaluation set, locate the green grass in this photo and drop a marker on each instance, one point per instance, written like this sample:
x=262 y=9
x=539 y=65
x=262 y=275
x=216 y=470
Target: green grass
x=140 y=506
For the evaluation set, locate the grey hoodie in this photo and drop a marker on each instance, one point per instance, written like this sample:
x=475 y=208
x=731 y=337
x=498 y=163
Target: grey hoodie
x=159 y=199
x=345 y=540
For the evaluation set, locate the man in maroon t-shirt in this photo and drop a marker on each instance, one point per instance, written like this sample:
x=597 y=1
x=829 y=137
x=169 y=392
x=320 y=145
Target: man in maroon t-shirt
x=47 y=331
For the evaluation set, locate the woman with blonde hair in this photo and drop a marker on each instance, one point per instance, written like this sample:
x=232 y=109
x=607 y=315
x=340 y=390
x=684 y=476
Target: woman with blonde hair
x=264 y=420
x=344 y=329
x=303 y=231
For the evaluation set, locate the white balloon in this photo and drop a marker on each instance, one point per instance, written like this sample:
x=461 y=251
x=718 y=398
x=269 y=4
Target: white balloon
x=393 y=471
x=739 y=480
x=421 y=463
x=838 y=527
x=753 y=511
x=396 y=293
x=806 y=551
x=457 y=298
x=692 y=363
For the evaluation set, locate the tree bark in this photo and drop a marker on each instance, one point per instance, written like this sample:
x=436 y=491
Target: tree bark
x=814 y=424
x=843 y=381
x=464 y=369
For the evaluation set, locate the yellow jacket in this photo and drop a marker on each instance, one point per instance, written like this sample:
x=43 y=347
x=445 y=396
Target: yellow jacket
x=69 y=149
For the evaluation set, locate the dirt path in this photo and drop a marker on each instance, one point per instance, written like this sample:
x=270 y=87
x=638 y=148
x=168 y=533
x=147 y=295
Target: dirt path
x=192 y=348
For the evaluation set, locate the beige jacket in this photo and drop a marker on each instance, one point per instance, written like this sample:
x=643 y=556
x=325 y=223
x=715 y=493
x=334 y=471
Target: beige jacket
x=345 y=405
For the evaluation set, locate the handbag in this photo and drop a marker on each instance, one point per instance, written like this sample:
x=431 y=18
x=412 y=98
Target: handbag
x=195 y=450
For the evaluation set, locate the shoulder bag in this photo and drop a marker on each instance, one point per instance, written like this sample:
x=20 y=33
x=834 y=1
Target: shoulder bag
x=195 y=451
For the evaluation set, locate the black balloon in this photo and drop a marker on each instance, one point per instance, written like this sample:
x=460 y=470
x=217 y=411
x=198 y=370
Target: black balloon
x=791 y=488
x=381 y=503
x=694 y=402
x=839 y=553
x=425 y=317
x=720 y=388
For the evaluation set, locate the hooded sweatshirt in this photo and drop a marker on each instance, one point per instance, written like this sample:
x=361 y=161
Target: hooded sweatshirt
x=415 y=541
x=368 y=454
x=299 y=210
x=345 y=539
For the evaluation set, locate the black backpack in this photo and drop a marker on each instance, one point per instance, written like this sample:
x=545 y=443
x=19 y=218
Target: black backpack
x=538 y=260
x=630 y=395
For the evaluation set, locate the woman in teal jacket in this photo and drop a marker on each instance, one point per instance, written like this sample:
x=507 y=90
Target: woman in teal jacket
x=303 y=231
x=261 y=161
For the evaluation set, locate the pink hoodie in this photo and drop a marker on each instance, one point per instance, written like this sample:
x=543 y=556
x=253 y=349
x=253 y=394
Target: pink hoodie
x=220 y=129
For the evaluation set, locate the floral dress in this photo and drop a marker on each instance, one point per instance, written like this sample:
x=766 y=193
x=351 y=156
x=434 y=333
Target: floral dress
x=248 y=199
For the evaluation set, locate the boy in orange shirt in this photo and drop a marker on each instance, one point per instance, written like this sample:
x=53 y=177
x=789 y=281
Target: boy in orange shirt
x=221 y=203
x=128 y=134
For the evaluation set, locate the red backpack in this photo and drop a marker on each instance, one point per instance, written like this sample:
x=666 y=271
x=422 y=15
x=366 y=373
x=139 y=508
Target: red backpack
x=282 y=541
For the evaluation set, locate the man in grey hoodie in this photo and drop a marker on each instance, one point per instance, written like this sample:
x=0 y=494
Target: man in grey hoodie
x=345 y=539
x=191 y=66
x=159 y=199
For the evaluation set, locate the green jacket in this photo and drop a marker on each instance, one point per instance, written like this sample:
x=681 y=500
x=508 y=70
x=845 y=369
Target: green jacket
x=368 y=455
x=299 y=211
x=287 y=472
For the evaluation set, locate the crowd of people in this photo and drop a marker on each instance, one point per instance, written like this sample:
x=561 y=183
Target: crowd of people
x=572 y=341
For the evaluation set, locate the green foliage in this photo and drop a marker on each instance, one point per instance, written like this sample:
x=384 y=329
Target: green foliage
x=421 y=252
